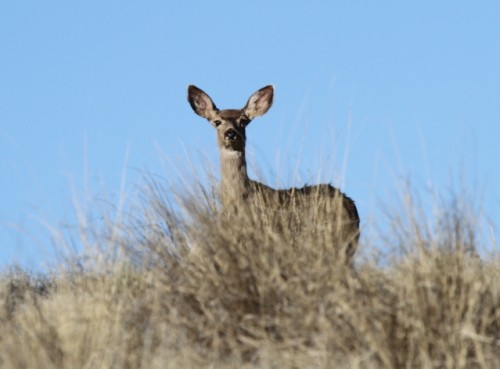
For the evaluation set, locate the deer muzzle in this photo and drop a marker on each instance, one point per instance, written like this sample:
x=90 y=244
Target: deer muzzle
x=230 y=135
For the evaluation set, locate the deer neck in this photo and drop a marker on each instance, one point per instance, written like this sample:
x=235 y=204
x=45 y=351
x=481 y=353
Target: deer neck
x=234 y=178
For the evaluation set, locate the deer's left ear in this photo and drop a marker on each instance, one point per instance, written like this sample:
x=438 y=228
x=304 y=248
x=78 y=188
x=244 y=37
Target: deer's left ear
x=259 y=103
x=201 y=103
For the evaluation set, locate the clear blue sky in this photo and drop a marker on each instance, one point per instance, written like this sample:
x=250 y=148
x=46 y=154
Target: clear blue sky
x=94 y=91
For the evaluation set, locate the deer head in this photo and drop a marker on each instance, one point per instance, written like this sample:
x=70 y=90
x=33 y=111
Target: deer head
x=231 y=123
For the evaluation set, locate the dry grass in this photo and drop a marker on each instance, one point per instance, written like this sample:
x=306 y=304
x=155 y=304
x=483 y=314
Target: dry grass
x=201 y=291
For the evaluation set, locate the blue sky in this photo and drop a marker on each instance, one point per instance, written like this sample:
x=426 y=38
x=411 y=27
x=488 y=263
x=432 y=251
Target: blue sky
x=93 y=95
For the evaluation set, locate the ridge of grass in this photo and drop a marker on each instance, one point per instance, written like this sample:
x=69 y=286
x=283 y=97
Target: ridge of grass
x=195 y=289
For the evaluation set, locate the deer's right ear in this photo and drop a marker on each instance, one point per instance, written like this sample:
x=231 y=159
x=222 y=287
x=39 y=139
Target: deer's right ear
x=201 y=103
x=260 y=102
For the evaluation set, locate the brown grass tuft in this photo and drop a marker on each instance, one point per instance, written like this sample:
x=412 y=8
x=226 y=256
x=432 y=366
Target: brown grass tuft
x=202 y=290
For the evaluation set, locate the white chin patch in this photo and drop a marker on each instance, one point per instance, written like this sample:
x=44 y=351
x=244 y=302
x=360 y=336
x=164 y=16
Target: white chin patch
x=231 y=153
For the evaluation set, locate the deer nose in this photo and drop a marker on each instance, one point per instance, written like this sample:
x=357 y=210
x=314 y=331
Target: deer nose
x=230 y=135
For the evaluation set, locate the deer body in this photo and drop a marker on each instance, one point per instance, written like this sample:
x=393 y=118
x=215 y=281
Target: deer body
x=237 y=188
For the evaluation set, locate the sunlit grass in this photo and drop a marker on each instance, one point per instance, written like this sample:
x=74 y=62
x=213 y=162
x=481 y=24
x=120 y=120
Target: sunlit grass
x=172 y=283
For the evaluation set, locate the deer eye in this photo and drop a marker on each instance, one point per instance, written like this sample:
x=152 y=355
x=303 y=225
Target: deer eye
x=217 y=123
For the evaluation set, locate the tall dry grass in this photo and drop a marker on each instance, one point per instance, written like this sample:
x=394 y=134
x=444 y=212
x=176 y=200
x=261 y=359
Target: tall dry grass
x=191 y=289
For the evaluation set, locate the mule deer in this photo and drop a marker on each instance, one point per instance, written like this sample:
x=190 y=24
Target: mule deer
x=237 y=189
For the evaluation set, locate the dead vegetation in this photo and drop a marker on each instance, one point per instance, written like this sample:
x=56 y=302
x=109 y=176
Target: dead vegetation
x=198 y=290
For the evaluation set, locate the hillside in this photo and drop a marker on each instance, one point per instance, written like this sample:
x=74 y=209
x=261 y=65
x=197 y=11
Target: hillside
x=173 y=286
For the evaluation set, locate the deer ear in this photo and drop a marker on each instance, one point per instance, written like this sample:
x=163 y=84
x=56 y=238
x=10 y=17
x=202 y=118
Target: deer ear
x=260 y=102
x=201 y=103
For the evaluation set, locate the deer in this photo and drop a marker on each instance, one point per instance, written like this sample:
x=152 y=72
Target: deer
x=237 y=189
